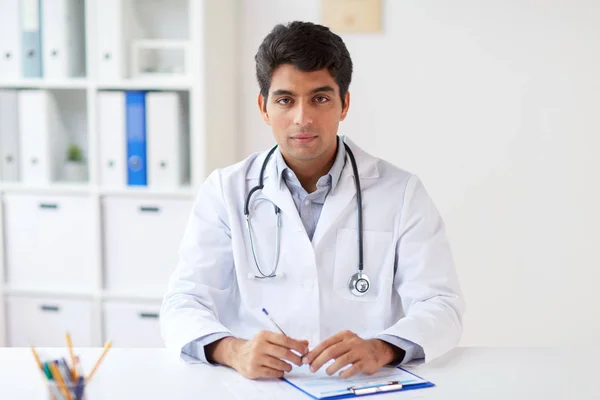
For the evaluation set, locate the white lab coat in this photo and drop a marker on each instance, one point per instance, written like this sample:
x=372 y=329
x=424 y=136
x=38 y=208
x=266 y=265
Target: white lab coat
x=414 y=295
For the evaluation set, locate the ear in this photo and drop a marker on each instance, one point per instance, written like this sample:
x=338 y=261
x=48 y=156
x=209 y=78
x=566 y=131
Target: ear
x=346 y=106
x=263 y=109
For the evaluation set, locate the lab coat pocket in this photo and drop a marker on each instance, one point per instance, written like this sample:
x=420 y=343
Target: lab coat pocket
x=378 y=257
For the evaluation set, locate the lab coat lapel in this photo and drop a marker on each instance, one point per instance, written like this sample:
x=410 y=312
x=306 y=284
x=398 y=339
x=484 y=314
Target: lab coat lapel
x=335 y=203
x=345 y=192
x=279 y=194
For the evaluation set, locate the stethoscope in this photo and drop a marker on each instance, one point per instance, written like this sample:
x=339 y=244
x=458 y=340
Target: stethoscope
x=359 y=283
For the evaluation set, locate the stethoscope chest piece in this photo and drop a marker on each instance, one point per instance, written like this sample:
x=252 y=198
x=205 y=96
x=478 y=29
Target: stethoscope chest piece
x=359 y=284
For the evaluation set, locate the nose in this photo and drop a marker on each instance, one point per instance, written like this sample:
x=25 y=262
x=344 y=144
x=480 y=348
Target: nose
x=303 y=115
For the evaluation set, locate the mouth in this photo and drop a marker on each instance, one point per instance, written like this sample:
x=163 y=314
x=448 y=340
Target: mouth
x=303 y=138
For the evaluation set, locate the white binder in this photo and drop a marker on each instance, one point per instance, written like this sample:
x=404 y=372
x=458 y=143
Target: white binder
x=63 y=38
x=165 y=129
x=41 y=136
x=10 y=40
x=116 y=26
x=9 y=135
x=112 y=139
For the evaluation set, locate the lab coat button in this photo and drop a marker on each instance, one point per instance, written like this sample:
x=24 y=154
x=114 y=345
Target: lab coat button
x=308 y=285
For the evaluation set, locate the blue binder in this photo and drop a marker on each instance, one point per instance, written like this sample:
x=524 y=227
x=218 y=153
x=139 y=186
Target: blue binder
x=135 y=114
x=31 y=37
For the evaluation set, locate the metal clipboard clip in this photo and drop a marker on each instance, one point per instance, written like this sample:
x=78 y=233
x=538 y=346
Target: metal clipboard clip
x=370 y=389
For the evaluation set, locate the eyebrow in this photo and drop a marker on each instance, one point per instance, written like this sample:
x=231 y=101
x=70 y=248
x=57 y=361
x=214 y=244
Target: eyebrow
x=281 y=92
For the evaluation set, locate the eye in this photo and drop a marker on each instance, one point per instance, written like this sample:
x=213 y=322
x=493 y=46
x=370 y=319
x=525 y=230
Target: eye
x=321 y=99
x=284 y=101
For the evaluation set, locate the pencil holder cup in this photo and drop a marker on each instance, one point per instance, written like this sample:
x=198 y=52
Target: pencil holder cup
x=57 y=391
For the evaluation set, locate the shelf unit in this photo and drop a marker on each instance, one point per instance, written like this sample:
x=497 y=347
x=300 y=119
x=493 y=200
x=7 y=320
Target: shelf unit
x=210 y=84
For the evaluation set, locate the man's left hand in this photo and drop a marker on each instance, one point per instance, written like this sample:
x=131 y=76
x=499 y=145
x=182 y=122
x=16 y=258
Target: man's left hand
x=346 y=348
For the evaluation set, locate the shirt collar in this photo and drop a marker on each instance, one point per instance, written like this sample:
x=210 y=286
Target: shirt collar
x=335 y=172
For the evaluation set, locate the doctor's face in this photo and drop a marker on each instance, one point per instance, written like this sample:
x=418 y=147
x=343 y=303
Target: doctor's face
x=304 y=110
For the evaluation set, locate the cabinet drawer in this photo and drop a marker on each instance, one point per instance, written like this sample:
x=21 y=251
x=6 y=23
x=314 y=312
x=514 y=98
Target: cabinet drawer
x=43 y=322
x=132 y=324
x=49 y=241
x=141 y=242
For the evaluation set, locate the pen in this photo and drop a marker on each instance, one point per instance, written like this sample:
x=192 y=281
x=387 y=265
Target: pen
x=47 y=370
x=386 y=387
x=264 y=310
x=37 y=359
x=70 y=346
x=79 y=388
x=64 y=370
x=78 y=367
x=274 y=323
x=62 y=387
x=106 y=347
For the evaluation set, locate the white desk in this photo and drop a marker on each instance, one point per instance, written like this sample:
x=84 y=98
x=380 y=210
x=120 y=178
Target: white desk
x=464 y=373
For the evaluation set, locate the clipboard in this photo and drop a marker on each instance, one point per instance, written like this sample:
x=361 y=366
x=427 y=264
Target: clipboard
x=321 y=386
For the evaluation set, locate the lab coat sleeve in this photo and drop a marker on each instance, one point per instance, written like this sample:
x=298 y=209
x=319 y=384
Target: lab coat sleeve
x=425 y=277
x=411 y=351
x=203 y=280
x=194 y=352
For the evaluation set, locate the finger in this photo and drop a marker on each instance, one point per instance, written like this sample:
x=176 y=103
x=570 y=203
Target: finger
x=350 y=357
x=314 y=353
x=333 y=352
x=275 y=363
x=266 y=372
x=287 y=342
x=282 y=352
x=353 y=370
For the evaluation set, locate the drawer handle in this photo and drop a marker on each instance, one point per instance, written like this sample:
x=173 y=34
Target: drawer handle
x=149 y=209
x=51 y=206
x=50 y=308
x=149 y=315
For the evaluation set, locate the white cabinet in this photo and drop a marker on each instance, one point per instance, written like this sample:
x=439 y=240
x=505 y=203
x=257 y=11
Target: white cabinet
x=49 y=241
x=43 y=322
x=141 y=242
x=132 y=324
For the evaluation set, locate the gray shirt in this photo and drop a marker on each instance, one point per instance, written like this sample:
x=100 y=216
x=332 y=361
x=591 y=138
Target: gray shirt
x=310 y=205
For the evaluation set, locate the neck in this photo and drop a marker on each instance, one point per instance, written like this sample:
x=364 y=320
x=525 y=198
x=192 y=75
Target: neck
x=309 y=172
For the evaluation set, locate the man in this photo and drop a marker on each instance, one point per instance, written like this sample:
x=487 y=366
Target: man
x=299 y=251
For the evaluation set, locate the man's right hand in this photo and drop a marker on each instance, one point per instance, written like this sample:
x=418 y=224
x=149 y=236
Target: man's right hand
x=260 y=357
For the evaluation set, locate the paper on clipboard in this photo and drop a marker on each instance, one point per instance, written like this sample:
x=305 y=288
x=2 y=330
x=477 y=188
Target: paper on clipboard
x=321 y=386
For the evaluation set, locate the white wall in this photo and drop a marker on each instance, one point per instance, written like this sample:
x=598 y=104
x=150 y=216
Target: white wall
x=495 y=106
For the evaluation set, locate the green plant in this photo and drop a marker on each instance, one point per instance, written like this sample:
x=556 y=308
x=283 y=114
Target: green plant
x=74 y=153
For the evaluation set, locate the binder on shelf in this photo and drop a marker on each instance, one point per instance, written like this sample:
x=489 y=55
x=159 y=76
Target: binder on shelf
x=40 y=136
x=63 y=38
x=136 y=138
x=10 y=40
x=113 y=42
x=112 y=139
x=9 y=136
x=165 y=124
x=31 y=39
